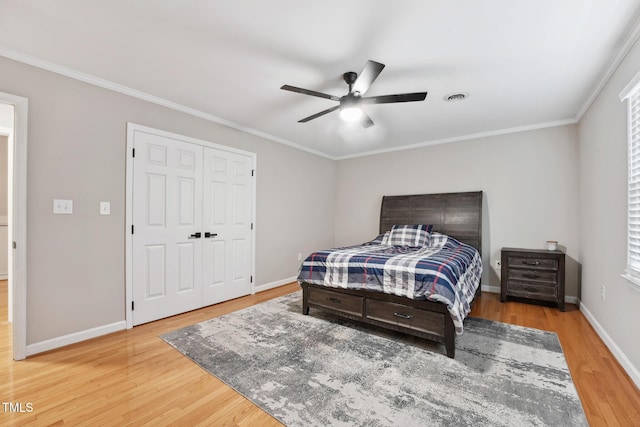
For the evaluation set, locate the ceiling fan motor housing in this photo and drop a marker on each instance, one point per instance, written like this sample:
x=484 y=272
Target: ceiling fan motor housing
x=350 y=78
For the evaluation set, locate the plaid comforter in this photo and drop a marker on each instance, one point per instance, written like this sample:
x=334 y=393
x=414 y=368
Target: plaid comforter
x=446 y=271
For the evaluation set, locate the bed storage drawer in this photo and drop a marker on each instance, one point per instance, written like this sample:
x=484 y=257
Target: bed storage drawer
x=408 y=317
x=345 y=303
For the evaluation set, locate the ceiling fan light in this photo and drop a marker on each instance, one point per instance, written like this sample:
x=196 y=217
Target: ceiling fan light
x=350 y=114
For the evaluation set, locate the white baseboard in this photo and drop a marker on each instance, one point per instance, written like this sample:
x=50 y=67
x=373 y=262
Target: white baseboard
x=572 y=300
x=4 y=276
x=622 y=358
x=491 y=289
x=496 y=290
x=274 y=284
x=75 y=337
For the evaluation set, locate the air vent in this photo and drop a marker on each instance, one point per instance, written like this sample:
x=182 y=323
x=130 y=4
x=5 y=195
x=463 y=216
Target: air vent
x=456 y=97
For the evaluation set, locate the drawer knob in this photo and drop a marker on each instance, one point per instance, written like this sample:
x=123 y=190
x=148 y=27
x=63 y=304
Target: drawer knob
x=530 y=275
x=531 y=262
x=336 y=300
x=404 y=316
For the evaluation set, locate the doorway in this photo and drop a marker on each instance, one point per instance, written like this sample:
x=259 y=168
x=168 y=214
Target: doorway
x=6 y=293
x=13 y=125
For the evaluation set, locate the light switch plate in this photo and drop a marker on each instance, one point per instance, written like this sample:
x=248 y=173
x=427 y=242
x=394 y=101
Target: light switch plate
x=105 y=208
x=63 y=207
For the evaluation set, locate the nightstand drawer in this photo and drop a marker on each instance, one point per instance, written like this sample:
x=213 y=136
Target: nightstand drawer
x=351 y=304
x=533 y=291
x=533 y=263
x=539 y=277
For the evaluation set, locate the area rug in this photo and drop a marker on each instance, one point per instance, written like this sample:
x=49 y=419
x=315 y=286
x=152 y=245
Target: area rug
x=317 y=370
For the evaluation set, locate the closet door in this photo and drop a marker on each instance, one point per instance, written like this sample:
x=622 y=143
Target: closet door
x=191 y=222
x=167 y=217
x=227 y=245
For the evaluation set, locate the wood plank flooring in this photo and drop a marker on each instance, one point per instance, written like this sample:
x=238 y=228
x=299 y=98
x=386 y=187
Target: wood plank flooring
x=134 y=378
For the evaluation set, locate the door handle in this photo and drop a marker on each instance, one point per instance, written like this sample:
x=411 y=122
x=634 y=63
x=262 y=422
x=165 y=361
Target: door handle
x=207 y=234
x=196 y=235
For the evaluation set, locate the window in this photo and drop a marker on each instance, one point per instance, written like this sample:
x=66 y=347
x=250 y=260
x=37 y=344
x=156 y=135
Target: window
x=632 y=95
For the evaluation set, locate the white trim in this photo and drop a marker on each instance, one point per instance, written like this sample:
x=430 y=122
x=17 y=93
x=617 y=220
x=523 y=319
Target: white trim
x=463 y=138
x=18 y=220
x=254 y=215
x=75 y=337
x=128 y=221
x=496 y=290
x=572 y=300
x=630 y=88
x=131 y=128
x=629 y=41
x=275 y=284
x=632 y=281
x=622 y=358
x=490 y=289
x=97 y=81
x=4 y=277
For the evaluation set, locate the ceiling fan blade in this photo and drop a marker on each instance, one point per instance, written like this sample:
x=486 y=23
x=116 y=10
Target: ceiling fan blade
x=366 y=121
x=321 y=113
x=369 y=73
x=310 y=92
x=401 y=97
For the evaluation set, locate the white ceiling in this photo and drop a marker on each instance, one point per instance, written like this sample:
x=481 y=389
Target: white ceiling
x=525 y=64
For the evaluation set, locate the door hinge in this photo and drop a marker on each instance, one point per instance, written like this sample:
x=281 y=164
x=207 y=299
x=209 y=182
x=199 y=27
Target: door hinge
x=252 y=171
x=133 y=152
x=132 y=229
x=251 y=280
x=133 y=305
x=14 y=245
x=252 y=226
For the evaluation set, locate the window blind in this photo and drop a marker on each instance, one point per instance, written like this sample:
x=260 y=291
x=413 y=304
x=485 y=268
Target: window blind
x=633 y=233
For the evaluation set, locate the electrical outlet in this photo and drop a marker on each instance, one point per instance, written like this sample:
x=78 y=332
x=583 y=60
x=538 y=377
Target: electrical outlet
x=105 y=208
x=299 y=256
x=602 y=292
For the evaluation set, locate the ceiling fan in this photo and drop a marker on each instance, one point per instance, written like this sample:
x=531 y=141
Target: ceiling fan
x=350 y=104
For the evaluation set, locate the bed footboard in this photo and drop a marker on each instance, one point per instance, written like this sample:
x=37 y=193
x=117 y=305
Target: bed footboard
x=424 y=319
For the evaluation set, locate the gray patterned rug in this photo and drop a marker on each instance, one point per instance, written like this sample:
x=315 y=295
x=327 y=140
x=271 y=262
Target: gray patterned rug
x=317 y=371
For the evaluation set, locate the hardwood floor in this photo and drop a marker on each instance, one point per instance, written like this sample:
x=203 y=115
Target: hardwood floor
x=134 y=378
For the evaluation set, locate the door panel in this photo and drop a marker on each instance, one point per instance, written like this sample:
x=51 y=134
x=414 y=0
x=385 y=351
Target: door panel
x=155 y=266
x=167 y=210
x=228 y=191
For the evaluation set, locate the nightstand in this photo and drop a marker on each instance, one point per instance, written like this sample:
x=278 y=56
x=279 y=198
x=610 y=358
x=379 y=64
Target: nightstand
x=533 y=274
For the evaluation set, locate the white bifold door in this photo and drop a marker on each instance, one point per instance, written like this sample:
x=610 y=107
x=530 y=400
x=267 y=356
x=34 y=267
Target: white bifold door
x=191 y=225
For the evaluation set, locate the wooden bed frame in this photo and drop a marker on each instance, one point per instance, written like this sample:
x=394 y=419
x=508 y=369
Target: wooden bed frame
x=458 y=215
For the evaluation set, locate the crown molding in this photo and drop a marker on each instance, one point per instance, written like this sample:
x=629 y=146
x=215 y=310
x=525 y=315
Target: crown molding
x=623 y=51
x=526 y=128
x=115 y=87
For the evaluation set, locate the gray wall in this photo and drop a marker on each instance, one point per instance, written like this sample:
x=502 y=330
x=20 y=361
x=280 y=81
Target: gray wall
x=603 y=219
x=77 y=137
x=529 y=179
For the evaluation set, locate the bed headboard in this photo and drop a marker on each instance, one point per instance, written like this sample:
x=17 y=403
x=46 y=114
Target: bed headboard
x=458 y=215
